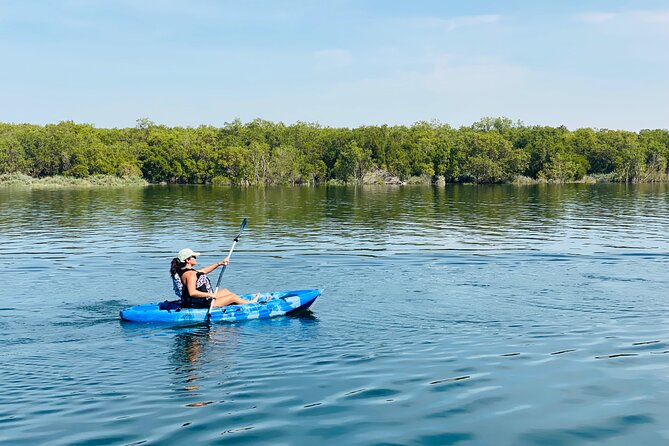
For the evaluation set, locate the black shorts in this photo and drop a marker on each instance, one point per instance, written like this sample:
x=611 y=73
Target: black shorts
x=197 y=302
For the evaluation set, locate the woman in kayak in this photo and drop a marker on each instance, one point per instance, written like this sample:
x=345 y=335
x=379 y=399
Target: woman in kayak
x=197 y=291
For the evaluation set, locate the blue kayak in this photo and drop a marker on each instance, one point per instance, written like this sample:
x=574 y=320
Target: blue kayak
x=272 y=304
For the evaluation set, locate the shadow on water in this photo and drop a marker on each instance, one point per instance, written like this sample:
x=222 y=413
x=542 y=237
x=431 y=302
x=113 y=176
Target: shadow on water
x=303 y=315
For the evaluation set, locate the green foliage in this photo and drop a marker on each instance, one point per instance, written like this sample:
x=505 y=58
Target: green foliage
x=486 y=157
x=491 y=150
x=500 y=125
x=564 y=166
x=655 y=144
x=259 y=157
x=12 y=152
x=352 y=163
x=233 y=163
x=541 y=144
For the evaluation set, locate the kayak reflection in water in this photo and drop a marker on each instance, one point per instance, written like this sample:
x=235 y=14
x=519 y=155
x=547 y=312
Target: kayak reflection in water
x=194 y=287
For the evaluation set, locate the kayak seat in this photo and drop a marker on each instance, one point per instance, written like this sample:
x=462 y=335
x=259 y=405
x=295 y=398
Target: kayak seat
x=170 y=305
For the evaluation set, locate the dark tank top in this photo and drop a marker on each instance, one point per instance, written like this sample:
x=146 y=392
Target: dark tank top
x=201 y=284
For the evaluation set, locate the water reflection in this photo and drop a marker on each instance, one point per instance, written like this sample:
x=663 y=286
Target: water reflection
x=452 y=217
x=190 y=351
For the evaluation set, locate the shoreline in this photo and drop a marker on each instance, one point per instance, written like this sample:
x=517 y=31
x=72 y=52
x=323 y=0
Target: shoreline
x=109 y=181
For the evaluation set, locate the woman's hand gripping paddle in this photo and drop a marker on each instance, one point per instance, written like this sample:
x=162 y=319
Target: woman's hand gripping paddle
x=220 y=276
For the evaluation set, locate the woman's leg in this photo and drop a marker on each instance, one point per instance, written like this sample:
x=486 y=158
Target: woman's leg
x=226 y=297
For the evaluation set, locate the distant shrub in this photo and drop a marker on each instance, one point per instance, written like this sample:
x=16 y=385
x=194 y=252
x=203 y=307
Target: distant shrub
x=521 y=180
x=220 y=180
x=22 y=180
x=15 y=179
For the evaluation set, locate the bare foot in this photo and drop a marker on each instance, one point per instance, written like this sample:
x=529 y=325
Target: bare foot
x=256 y=297
x=268 y=298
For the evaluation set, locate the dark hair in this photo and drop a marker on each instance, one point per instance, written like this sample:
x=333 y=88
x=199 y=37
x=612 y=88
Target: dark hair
x=176 y=266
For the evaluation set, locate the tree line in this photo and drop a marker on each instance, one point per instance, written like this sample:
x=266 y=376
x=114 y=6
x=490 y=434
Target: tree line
x=492 y=150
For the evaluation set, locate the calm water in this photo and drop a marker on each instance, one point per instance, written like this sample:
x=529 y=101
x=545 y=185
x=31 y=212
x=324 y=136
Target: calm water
x=467 y=315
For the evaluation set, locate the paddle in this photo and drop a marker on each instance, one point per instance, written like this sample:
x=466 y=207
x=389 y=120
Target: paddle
x=220 y=276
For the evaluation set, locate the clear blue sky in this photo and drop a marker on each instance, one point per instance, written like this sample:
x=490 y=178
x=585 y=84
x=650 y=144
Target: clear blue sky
x=579 y=63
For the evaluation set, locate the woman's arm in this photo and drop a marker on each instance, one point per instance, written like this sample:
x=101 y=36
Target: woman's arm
x=210 y=268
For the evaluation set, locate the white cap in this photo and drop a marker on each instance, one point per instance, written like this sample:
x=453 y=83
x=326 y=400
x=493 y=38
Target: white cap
x=186 y=253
